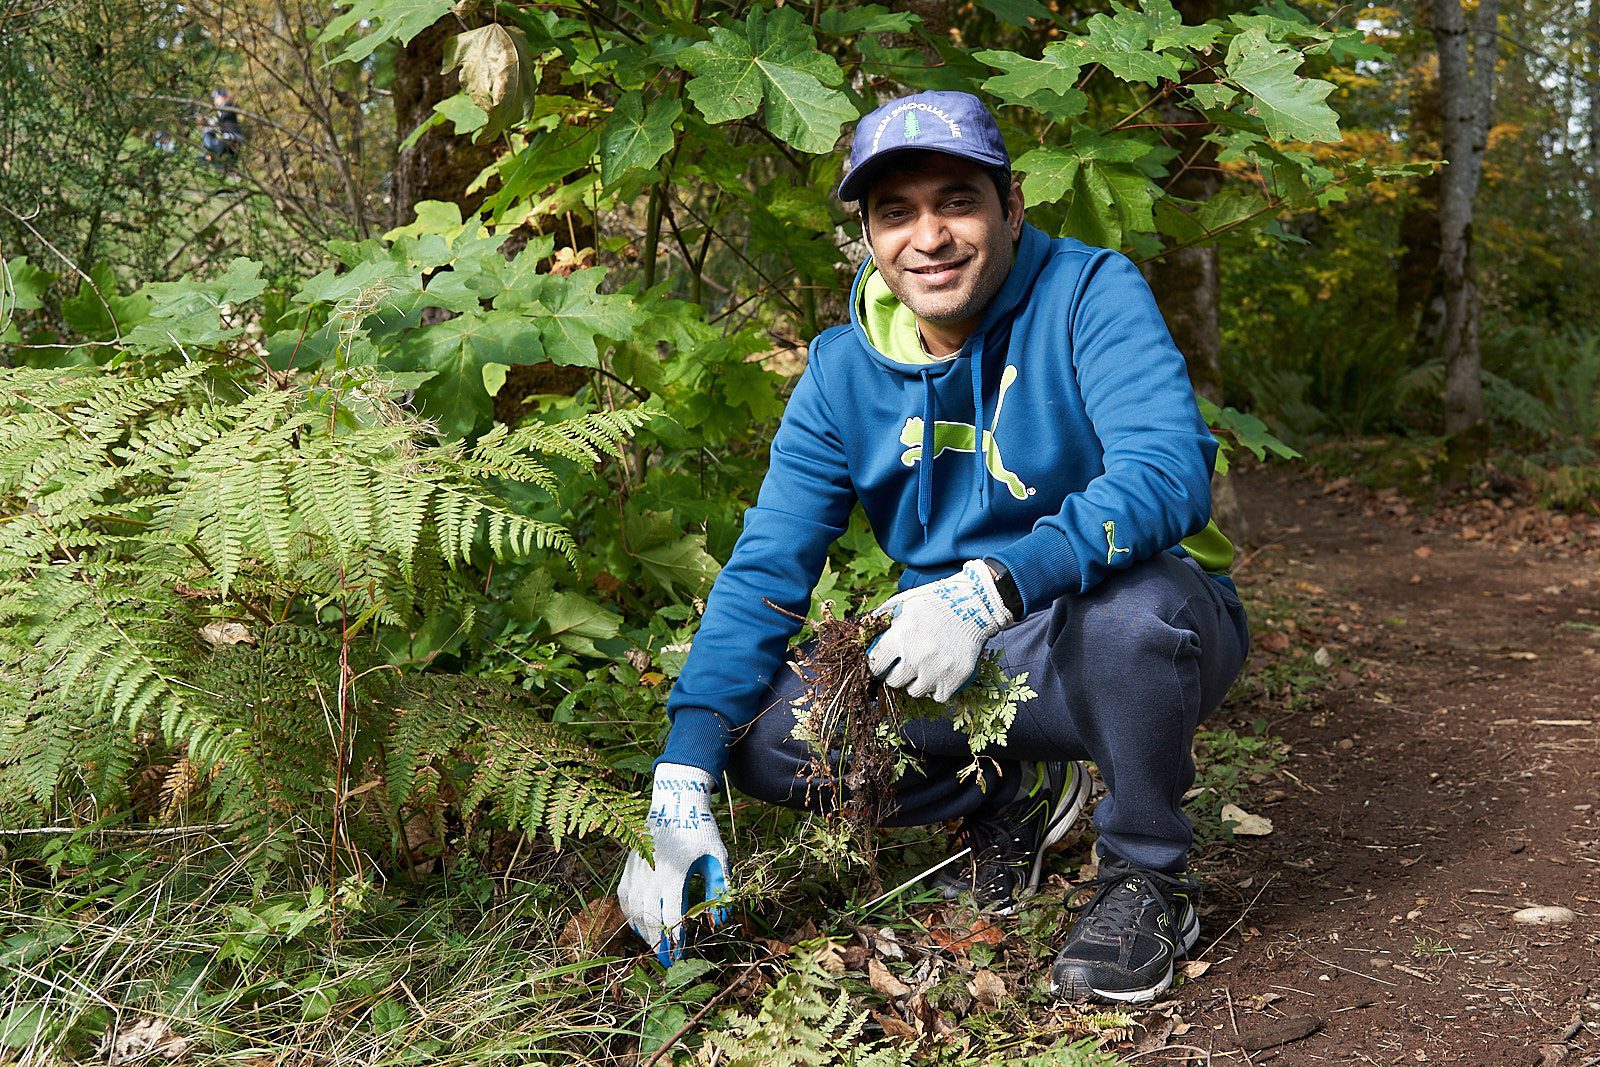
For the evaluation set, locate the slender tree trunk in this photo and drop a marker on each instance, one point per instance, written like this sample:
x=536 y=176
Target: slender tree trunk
x=1466 y=85
x=1594 y=115
x=1418 y=293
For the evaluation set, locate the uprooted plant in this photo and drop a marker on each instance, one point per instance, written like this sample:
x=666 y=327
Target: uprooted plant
x=855 y=725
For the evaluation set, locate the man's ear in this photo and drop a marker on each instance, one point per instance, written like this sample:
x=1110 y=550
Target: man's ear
x=1014 y=211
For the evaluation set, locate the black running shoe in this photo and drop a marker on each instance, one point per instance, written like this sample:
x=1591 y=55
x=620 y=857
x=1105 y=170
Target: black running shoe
x=1129 y=931
x=1006 y=847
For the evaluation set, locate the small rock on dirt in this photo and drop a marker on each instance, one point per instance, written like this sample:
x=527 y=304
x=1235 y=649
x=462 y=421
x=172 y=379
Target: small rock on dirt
x=1553 y=915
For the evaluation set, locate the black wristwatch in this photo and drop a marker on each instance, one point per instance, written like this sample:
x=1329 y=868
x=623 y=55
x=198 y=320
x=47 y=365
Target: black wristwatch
x=1007 y=586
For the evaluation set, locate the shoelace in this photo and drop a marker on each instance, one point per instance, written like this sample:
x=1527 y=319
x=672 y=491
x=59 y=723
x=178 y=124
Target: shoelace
x=999 y=841
x=1120 y=911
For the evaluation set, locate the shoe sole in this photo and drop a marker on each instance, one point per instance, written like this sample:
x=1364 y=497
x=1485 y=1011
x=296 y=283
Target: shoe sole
x=1071 y=804
x=1075 y=988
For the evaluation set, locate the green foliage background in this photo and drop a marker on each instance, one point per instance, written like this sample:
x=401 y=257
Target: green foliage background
x=299 y=556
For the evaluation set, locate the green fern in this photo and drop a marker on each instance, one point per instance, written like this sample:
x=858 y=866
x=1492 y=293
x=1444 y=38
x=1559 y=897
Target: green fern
x=143 y=508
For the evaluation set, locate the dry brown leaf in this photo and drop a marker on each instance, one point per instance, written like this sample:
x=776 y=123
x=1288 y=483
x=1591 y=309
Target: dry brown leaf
x=143 y=1040
x=594 y=931
x=929 y=1020
x=1194 y=968
x=885 y=982
x=962 y=941
x=1246 y=824
x=987 y=988
x=1273 y=641
x=832 y=959
x=886 y=943
x=220 y=634
x=894 y=1026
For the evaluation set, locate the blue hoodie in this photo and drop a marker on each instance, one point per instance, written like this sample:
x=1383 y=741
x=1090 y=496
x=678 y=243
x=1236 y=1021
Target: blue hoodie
x=1095 y=457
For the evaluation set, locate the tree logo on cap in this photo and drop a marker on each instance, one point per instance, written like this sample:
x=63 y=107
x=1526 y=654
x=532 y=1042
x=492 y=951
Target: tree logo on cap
x=913 y=127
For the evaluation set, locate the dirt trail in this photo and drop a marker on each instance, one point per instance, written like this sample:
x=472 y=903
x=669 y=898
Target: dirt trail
x=1448 y=776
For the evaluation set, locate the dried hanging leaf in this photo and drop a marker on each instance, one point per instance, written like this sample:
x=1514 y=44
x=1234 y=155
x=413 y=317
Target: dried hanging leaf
x=496 y=72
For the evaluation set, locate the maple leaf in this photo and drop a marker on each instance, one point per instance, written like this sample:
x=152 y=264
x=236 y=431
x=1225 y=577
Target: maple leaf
x=1107 y=198
x=773 y=60
x=1046 y=85
x=1293 y=108
x=399 y=20
x=635 y=139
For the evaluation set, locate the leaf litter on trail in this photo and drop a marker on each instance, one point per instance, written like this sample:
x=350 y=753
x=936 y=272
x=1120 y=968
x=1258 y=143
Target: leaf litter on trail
x=143 y=1040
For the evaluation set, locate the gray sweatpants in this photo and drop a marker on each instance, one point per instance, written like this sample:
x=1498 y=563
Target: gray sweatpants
x=1124 y=674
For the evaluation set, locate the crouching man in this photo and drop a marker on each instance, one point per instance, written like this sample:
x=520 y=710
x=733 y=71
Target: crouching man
x=1014 y=419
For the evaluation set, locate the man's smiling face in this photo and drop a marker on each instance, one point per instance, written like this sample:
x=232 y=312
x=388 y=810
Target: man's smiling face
x=940 y=239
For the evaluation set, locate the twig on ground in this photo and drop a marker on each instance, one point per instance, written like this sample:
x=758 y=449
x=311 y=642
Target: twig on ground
x=1234 y=1020
x=694 y=1020
x=1242 y=915
x=1361 y=974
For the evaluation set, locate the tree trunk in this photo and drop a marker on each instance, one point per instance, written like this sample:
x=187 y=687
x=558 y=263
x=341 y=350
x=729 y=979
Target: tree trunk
x=1466 y=84
x=440 y=165
x=1594 y=114
x=1187 y=281
x=1419 y=297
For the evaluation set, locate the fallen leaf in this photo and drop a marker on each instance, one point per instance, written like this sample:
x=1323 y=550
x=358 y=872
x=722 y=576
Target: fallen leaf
x=886 y=943
x=895 y=1027
x=832 y=959
x=1195 y=968
x=141 y=1041
x=594 y=930
x=884 y=982
x=1273 y=641
x=960 y=941
x=1245 y=824
x=222 y=634
x=1422 y=552
x=928 y=1018
x=987 y=988
x=1322 y=657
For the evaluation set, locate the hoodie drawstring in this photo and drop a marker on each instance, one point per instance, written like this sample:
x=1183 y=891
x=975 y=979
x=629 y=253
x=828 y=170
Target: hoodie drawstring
x=980 y=418
x=925 y=473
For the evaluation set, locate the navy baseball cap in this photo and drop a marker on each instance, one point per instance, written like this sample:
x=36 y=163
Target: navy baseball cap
x=957 y=124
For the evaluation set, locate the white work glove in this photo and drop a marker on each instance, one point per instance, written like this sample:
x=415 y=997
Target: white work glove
x=938 y=632
x=687 y=843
